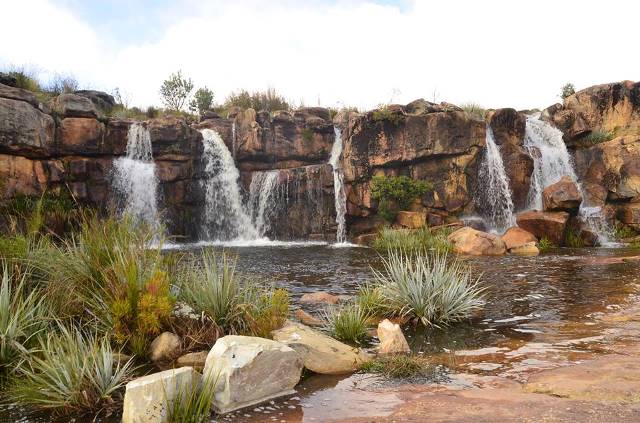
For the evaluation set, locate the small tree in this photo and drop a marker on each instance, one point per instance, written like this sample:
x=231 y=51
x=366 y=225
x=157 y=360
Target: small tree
x=175 y=91
x=396 y=193
x=567 y=90
x=202 y=101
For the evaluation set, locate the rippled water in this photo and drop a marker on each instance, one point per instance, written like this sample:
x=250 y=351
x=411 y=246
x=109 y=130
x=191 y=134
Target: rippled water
x=540 y=311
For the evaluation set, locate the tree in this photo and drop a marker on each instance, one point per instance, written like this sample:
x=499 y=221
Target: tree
x=202 y=101
x=175 y=91
x=567 y=90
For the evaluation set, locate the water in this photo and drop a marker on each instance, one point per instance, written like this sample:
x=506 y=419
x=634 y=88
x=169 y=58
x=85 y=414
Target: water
x=338 y=186
x=551 y=161
x=494 y=195
x=135 y=179
x=224 y=216
x=263 y=199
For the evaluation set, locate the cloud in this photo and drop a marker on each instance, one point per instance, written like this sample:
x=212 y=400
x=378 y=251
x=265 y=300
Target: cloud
x=362 y=53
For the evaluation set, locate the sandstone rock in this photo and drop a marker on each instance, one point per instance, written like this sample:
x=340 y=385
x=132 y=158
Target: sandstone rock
x=473 y=242
x=80 y=136
x=411 y=220
x=148 y=398
x=629 y=214
x=320 y=353
x=251 y=370
x=72 y=105
x=172 y=138
x=392 y=341
x=564 y=195
x=195 y=359
x=18 y=94
x=366 y=239
x=102 y=101
x=307 y=318
x=516 y=237
x=551 y=225
x=319 y=297
x=166 y=347
x=528 y=249
x=25 y=130
x=20 y=175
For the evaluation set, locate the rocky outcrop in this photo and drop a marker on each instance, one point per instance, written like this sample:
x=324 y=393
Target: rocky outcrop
x=517 y=237
x=250 y=370
x=476 y=243
x=320 y=353
x=411 y=220
x=564 y=195
x=550 y=225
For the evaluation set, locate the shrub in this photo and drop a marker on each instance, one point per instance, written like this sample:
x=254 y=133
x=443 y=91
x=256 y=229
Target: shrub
x=545 y=244
x=347 y=323
x=384 y=114
x=433 y=290
x=193 y=404
x=396 y=193
x=573 y=239
x=152 y=112
x=567 y=90
x=202 y=101
x=597 y=137
x=72 y=372
x=268 y=100
x=621 y=232
x=423 y=239
x=398 y=366
x=62 y=84
x=474 y=109
x=175 y=91
x=25 y=79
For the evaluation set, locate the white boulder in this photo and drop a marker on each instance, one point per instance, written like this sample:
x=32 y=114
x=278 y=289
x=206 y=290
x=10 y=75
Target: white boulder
x=392 y=340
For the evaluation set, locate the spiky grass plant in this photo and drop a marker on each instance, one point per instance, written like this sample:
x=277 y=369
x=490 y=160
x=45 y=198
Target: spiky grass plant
x=398 y=366
x=347 y=323
x=192 y=404
x=434 y=290
x=369 y=298
x=423 y=239
x=22 y=317
x=71 y=372
x=545 y=244
x=233 y=301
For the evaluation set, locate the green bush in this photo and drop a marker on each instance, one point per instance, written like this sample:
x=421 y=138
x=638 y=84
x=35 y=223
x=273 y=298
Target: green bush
x=623 y=232
x=384 y=114
x=434 y=290
x=567 y=90
x=347 y=323
x=396 y=193
x=597 y=137
x=268 y=100
x=474 y=109
x=175 y=91
x=202 y=101
x=545 y=244
x=419 y=240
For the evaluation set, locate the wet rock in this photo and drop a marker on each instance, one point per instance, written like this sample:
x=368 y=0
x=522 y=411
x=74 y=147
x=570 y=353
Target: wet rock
x=166 y=347
x=528 y=249
x=195 y=359
x=392 y=341
x=411 y=220
x=516 y=237
x=307 y=318
x=550 y=225
x=319 y=297
x=564 y=195
x=251 y=370
x=72 y=105
x=320 y=353
x=147 y=399
x=25 y=130
x=476 y=243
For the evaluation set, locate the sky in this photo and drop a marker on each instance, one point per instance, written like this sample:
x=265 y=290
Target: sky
x=496 y=53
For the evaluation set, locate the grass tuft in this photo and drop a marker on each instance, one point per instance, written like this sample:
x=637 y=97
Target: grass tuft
x=545 y=244
x=419 y=240
x=398 y=366
x=193 y=404
x=347 y=323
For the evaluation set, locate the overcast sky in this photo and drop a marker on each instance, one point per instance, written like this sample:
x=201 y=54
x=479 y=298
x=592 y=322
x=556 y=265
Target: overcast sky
x=363 y=53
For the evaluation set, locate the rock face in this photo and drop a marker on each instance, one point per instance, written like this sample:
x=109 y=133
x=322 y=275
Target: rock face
x=411 y=220
x=550 y=225
x=320 y=353
x=476 y=243
x=392 y=341
x=250 y=370
x=564 y=195
x=147 y=399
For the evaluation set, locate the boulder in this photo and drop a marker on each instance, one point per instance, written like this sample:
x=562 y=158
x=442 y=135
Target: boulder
x=320 y=353
x=528 y=249
x=25 y=130
x=148 y=398
x=195 y=359
x=166 y=347
x=476 y=243
x=516 y=237
x=550 y=225
x=250 y=370
x=629 y=214
x=392 y=341
x=319 y=297
x=102 y=101
x=308 y=319
x=18 y=94
x=564 y=195
x=411 y=220
x=72 y=105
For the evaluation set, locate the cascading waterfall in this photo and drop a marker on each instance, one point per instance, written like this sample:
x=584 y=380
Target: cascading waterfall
x=224 y=216
x=135 y=178
x=494 y=195
x=262 y=204
x=338 y=187
x=551 y=161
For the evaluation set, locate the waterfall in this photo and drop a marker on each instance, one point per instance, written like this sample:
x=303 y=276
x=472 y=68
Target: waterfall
x=338 y=186
x=494 y=194
x=233 y=138
x=135 y=179
x=224 y=216
x=262 y=199
x=551 y=161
